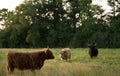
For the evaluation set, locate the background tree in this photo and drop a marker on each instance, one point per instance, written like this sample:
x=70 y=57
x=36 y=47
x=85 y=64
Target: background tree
x=60 y=23
x=114 y=16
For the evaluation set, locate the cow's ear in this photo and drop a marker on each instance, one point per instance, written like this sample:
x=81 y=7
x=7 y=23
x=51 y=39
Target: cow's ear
x=47 y=50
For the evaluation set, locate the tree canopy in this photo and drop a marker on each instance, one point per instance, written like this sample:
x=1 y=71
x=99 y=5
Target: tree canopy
x=60 y=23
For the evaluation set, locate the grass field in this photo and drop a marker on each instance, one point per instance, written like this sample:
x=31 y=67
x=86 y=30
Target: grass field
x=106 y=64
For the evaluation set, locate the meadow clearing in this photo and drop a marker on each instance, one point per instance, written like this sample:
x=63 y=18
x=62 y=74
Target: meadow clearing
x=106 y=64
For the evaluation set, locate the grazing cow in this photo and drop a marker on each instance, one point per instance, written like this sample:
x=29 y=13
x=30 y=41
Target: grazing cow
x=65 y=54
x=93 y=51
x=24 y=60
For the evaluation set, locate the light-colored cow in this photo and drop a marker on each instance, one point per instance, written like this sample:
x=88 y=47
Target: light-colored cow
x=65 y=54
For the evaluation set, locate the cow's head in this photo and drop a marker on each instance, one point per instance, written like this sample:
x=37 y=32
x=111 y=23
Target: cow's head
x=92 y=46
x=49 y=54
x=63 y=55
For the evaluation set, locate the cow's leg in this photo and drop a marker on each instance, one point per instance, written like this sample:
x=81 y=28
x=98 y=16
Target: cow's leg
x=8 y=68
x=11 y=68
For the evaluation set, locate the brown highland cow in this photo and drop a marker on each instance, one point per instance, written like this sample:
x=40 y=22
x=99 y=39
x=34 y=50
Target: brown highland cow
x=65 y=54
x=22 y=60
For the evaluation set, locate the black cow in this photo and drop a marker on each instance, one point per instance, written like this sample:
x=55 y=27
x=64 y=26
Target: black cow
x=93 y=51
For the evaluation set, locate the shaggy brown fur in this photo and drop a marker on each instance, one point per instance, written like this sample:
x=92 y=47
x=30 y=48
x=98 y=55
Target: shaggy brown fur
x=33 y=60
x=93 y=51
x=65 y=54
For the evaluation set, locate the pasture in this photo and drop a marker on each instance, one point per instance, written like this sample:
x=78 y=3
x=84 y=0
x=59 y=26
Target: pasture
x=106 y=64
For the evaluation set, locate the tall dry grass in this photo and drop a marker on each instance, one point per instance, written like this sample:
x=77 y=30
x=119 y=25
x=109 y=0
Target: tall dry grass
x=106 y=64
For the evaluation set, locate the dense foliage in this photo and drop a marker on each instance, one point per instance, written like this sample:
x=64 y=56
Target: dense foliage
x=60 y=23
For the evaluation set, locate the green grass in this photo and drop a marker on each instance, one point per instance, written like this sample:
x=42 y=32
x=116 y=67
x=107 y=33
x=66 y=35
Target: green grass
x=106 y=64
